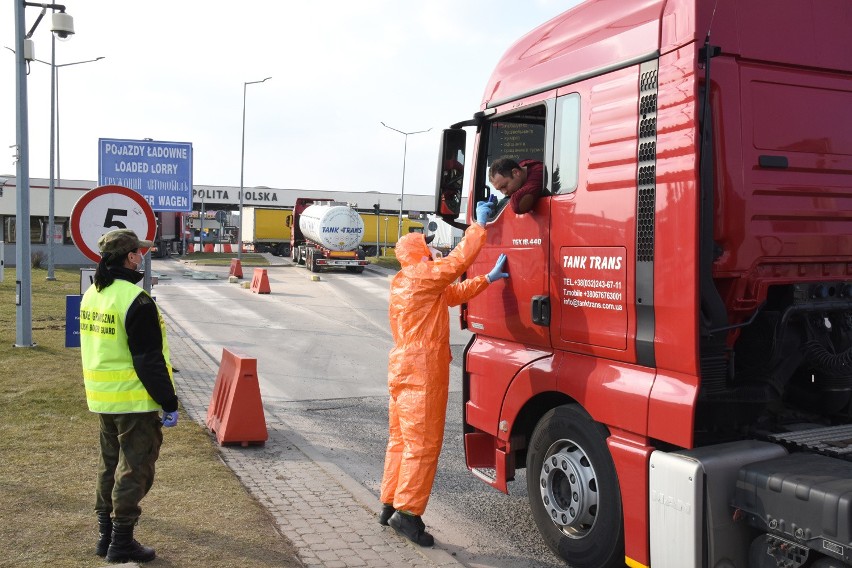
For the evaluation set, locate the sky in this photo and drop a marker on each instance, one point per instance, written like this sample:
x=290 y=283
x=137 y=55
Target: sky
x=175 y=71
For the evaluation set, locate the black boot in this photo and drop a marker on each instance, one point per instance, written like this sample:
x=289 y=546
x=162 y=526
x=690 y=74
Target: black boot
x=385 y=513
x=104 y=533
x=124 y=548
x=412 y=528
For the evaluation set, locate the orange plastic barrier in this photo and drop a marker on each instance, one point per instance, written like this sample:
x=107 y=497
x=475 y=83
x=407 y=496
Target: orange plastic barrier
x=260 y=281
x=208 y=248
x=236 y=410
x=236 y=268
x=226 y=248
x=190 y=247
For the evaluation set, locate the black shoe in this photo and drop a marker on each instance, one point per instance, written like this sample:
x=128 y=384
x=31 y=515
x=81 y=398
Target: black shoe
x=412 y=528
x=104 y=534
x=124 y=548
x=385 y=514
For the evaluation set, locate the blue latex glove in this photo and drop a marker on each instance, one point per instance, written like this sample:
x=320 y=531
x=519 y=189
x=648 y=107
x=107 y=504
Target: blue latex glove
x=483 y=211
x=497 y=272
x=170 y=418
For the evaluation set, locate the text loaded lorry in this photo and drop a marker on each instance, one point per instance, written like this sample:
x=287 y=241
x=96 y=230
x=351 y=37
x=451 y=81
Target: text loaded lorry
x=266 y=229
x=326 y=234
x=671 y=357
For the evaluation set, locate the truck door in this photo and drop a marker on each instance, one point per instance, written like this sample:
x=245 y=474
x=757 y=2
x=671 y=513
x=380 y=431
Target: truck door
x=516 y=309
x=593 y=216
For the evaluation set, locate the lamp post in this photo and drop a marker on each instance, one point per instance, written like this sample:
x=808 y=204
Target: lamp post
x=54 y=146
x=402 y=190
x=62 y=26
x=385 y=251
x=242 y=169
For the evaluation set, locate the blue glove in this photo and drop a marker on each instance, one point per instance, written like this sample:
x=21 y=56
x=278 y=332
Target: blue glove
x=497 y=272
x=170 y=418
x=483 y=211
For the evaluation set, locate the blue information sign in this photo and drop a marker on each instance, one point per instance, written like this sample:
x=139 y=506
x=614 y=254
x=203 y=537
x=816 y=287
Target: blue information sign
x=72 y=320
x=160 y=171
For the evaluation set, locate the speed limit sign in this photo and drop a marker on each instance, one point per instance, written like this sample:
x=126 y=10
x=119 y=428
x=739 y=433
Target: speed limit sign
x=106 y=208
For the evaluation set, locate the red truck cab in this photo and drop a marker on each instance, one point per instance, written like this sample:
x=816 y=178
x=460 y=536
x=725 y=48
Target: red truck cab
x=683 y=286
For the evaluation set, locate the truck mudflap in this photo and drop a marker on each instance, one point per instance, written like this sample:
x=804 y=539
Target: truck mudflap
x=491 y=464
x=802 y=503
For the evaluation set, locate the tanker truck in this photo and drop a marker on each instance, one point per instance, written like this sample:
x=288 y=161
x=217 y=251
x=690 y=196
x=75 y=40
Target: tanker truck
x=326 y=234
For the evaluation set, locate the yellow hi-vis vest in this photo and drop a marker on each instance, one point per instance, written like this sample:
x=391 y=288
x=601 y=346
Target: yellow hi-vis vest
x=112 y=386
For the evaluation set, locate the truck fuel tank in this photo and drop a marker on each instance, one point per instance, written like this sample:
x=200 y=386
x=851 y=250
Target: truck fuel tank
x=334 y=226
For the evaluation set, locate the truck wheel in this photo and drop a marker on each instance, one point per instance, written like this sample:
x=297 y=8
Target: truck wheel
x=573 y=489
x=314 y=266
x=284 y=249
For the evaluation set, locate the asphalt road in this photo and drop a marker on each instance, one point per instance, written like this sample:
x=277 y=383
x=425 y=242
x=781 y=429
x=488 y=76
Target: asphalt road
x=321 y=349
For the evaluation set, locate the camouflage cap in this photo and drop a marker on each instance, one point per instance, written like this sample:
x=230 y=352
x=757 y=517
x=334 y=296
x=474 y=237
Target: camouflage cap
x=121 y=241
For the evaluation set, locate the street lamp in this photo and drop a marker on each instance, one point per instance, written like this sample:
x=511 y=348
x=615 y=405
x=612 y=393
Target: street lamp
x=54 y=146
x=62 y=26
x=242 y=169
x=385 y=251
x=402 y=190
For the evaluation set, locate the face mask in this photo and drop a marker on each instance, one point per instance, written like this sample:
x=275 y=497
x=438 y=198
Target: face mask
x=140 y=267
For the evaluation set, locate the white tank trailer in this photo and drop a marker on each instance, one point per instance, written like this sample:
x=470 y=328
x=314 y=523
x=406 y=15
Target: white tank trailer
x=331 y=233
x=335 y=227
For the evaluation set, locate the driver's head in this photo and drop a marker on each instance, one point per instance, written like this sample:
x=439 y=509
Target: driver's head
x=507 y=176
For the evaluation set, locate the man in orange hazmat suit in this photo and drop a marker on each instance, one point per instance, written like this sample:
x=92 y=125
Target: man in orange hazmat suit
x=418 y=368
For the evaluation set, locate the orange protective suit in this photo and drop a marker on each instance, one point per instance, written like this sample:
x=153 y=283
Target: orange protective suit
x=419 y=363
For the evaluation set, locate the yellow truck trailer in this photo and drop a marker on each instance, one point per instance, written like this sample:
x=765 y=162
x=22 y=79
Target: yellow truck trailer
x=265 y=229
x=381 y=230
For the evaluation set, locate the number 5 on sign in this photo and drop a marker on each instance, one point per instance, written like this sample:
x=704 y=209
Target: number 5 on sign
x=106 y=208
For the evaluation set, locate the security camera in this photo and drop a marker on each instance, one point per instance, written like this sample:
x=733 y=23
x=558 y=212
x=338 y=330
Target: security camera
x=62 y=25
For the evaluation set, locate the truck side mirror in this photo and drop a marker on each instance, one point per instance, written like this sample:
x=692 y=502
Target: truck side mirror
x=450 y=181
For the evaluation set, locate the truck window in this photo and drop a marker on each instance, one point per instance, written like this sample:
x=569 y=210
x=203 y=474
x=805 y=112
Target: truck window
x=566 y=157
x=519 y=136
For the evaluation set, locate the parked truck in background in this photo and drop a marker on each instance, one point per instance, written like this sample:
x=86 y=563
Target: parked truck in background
x=266 y=229
x=671 y=358
x=381 y=230
x=167 y=238
x=326 y=234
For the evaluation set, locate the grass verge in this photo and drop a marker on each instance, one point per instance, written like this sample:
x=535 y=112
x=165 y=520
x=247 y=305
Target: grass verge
x=224 y=259
x=197 y=514
x=385 y=262
x=253 y=259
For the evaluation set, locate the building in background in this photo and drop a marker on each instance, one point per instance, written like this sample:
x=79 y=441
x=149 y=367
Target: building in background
x=208 y=200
